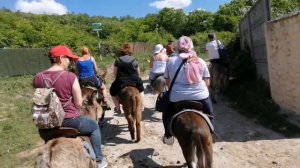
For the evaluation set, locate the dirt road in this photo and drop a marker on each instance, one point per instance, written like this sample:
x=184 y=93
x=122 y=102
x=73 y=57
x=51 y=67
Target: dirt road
x=242 y=143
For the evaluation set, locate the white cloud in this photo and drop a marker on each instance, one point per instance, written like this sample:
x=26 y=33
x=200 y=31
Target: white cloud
x=176 y=4
x=41 y=7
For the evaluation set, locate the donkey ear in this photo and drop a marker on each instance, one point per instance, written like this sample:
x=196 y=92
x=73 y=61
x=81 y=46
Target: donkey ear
x=94 y=97
x=104 y=75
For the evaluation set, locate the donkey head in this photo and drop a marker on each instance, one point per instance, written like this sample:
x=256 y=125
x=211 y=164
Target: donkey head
x=91 y=107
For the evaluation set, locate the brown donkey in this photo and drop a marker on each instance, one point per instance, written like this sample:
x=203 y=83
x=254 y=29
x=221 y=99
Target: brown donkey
x=66 y=152
x=130 y=98
x=194 y=136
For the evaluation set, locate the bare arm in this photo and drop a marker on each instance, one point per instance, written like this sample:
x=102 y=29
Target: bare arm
x=115 y=71
x=151 y=62
x=95 y=65
x=76 y=92
x=138 y=70
x=207 y=81
x=167 y=82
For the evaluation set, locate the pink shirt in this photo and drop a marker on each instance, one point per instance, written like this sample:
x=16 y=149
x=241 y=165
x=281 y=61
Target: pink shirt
x=63 y=88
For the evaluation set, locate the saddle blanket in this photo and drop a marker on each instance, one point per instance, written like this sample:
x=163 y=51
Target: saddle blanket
x=195 y=111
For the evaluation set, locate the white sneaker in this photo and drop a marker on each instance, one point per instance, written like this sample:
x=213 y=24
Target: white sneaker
x=168 y=141
x=102 y=163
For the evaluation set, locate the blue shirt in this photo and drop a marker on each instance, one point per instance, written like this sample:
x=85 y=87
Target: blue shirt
x=181 y=89
x=85 y=68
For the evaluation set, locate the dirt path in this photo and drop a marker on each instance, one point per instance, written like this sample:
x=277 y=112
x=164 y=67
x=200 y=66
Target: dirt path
x=242 y=143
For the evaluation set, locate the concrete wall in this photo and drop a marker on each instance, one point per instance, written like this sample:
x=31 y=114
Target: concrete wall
x=252 y=30
x=283 y=53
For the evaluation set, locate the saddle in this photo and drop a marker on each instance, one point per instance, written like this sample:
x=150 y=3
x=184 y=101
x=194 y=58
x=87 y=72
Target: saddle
x=184 y=106
x=48 y=134
x=68 y=132
x=179 y=106
x=128 y=84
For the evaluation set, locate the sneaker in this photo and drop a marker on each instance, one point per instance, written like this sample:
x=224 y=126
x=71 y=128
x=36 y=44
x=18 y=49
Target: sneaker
x=118 y=111
x=102 y=164
x=106 y=106
x=168 y=141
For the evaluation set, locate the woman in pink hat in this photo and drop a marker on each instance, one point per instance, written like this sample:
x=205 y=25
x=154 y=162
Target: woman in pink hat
x=191 y=83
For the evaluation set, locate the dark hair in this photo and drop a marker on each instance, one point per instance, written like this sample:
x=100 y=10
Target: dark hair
x=126 y=50
x=211 y=35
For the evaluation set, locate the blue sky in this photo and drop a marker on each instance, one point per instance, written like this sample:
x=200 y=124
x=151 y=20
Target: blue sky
x=109 y=8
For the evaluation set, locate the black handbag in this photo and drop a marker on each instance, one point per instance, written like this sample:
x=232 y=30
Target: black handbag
x=163 y=99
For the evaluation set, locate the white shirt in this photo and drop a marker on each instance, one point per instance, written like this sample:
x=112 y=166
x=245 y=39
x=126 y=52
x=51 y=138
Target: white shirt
x=212 y=48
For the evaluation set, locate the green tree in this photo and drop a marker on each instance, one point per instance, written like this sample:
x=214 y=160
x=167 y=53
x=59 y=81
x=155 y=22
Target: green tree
x=172 y=20
x=198 y=21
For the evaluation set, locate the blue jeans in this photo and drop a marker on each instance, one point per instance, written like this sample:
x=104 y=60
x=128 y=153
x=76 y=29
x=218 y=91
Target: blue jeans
x=87 y=126
x=94 y=80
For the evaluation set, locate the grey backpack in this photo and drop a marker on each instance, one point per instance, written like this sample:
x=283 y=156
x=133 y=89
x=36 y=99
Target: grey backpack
x=47 y=110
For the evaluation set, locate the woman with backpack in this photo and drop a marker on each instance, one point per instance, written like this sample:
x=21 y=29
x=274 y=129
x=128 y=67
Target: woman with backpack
x=68 y=90
x=126 y=70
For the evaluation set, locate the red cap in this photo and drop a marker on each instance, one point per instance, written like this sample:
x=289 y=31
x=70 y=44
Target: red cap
x=62 y=50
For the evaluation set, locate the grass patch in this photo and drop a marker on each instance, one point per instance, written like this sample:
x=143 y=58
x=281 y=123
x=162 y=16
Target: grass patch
x=17 y=131
x=253 y=99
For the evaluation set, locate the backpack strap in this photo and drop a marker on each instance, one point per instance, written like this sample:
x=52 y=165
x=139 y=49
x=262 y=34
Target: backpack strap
x=57 y=77
x=52 y=82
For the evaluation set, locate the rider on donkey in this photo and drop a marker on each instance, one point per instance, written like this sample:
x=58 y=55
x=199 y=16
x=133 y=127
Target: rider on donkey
x=191 y=83
x=87 y=70
x=68 y=90
x=126 y=71
x=157 y=63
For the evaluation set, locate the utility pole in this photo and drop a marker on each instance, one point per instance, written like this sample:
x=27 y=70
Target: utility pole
x=96 y=28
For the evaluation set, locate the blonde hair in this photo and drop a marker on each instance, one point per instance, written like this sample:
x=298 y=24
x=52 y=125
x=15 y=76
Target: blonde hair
x=84 y=50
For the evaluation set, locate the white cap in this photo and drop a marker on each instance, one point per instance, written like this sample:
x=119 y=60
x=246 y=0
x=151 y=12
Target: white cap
x=158 y=48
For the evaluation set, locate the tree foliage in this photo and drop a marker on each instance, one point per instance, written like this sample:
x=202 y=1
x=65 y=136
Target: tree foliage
x=19 y=30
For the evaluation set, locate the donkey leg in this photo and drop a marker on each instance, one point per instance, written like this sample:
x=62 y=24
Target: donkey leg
x=138 y=125
x=130 y=125
x=208 y=151
x=138 y=117
x=188 y=150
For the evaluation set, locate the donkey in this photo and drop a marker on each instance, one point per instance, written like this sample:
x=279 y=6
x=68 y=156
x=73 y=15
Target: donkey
x=189 y=125
x=219 y=79
x=67 y=152
x=158 y=85
x=130 y=99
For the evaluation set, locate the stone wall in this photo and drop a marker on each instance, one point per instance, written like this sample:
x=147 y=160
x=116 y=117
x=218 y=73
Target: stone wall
x=283 y=53
x=252 y=30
